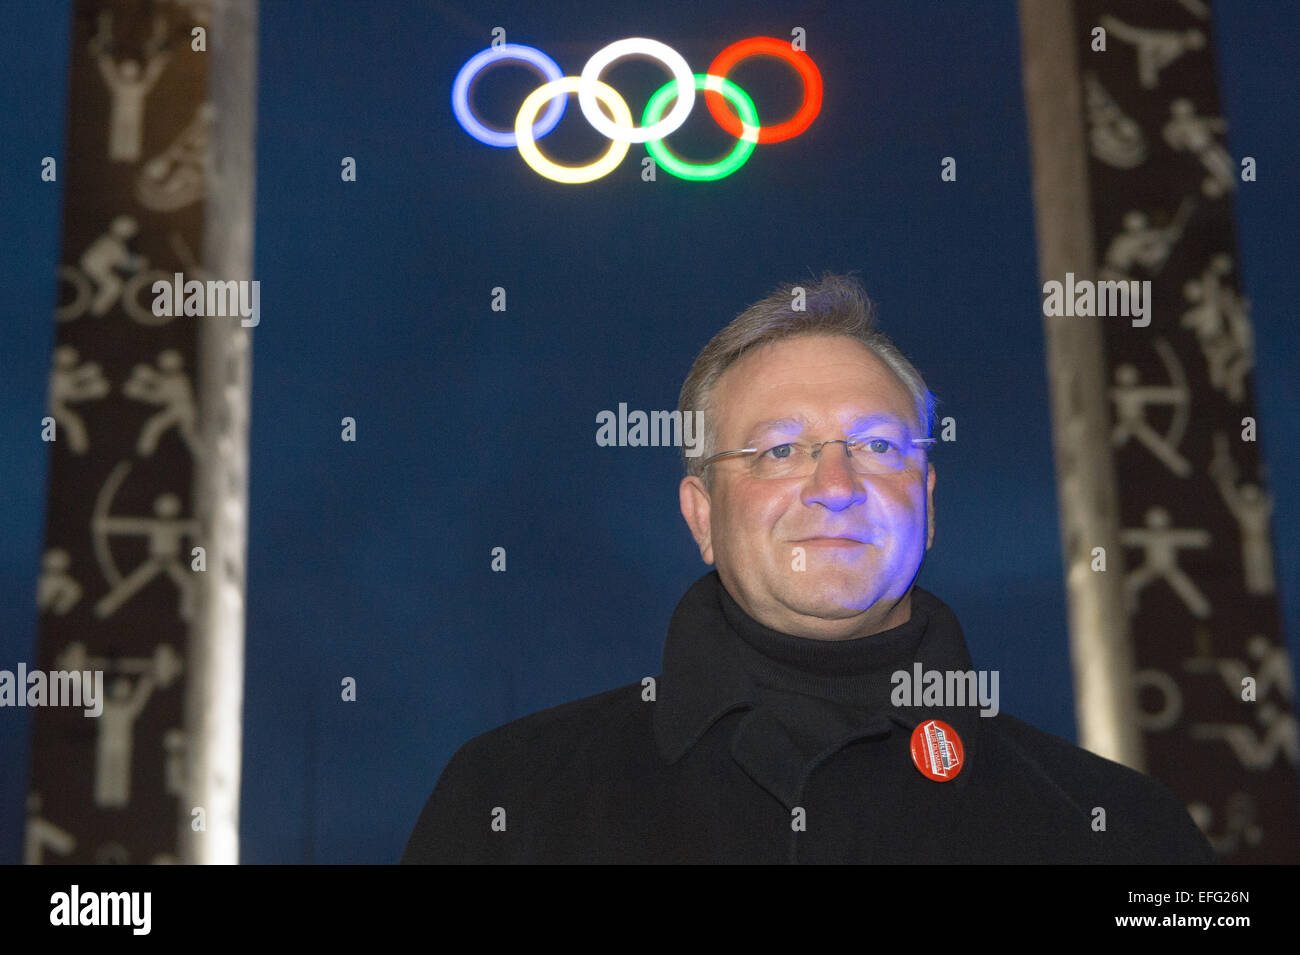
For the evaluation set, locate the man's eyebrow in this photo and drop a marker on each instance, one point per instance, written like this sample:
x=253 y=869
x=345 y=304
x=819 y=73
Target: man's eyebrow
x=791 y=424
x=797 y=423
x=866 y=421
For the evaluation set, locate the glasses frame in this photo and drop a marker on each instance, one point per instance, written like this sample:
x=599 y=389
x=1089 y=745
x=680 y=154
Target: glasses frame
x=817 y=449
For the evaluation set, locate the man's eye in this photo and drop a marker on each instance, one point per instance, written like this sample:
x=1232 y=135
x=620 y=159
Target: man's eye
x=879 y=445
x=781 y=452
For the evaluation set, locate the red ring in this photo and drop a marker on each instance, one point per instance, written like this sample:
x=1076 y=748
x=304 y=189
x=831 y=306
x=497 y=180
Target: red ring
x=801 y=61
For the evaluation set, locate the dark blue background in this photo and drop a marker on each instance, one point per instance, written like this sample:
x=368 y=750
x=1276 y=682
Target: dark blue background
x=476 y=429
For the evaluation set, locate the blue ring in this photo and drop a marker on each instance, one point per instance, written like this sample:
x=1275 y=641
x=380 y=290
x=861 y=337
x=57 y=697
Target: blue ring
x=496 y=54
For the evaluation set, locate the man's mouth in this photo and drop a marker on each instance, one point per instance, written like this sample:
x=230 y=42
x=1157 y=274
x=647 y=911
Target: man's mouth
x=832 y=542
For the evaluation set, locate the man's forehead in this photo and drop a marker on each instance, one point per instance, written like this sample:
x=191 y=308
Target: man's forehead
x=810 y=382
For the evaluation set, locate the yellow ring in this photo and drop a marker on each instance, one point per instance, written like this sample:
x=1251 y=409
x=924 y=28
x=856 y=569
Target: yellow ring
x=553 y=170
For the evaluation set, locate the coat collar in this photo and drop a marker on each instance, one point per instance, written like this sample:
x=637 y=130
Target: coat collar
x=704 y=679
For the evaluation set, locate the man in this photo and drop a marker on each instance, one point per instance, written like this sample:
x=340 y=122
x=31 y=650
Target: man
x=784 y=727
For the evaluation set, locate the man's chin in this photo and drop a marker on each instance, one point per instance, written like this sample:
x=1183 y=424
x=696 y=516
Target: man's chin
x=829 y=598
x=826 y=612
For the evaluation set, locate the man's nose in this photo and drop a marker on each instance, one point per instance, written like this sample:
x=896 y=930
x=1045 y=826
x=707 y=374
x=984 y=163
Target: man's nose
x=834 y=484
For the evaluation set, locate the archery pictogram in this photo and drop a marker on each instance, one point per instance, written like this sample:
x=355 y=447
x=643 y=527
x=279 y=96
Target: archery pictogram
x=164 y=531
x=1131 y=399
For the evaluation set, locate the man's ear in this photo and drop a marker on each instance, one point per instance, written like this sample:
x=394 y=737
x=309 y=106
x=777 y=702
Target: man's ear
x=929 y=507
x=697 y=509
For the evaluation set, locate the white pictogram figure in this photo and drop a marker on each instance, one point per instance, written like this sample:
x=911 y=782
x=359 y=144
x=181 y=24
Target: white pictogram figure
x=72 y=381
x=1161 y=542
x=1156 y=49
x=1115 y=138
x=169 y=388
x=174 y=761
x=1188 y=132
x=1131 y=400
x=113 y=745
x=1221 y=320
x=1142 y=245
x=123 y=704
x=56 y=590
x=1270 y=666
x=1240 y=828
x=128 y=86
x=175 y=178
x=42 y=834
x=1252 y=506
x=165 y=533
x=1255 y=751
x=105 y=256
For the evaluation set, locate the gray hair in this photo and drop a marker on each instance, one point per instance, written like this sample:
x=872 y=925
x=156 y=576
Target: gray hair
x=833 y=305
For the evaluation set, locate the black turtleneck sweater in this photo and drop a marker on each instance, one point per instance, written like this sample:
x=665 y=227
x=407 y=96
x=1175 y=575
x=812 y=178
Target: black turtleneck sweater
x=822 y=691
x=755 y=746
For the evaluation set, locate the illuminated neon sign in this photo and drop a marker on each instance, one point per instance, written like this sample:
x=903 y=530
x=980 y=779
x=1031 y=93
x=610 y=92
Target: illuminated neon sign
x=543 y=108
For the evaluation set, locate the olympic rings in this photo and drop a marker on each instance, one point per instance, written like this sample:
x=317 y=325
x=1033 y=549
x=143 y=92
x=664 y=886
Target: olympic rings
x=740 y=118
x=698 y=171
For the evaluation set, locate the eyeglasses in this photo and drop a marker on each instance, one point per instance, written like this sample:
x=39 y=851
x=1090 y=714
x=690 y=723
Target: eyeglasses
x=799 y=459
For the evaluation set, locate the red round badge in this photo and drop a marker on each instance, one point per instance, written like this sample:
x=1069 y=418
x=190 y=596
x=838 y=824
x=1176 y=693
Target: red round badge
x=937 y=750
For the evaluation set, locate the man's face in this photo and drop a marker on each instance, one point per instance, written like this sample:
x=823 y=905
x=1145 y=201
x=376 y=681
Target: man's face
x=863 y=536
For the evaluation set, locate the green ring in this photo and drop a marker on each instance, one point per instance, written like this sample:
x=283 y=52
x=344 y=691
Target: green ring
x=700 y=172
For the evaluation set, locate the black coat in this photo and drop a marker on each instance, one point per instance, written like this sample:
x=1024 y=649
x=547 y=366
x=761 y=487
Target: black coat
x=703 y=766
